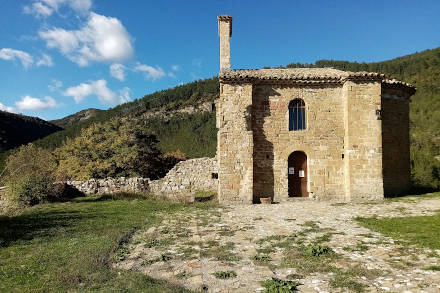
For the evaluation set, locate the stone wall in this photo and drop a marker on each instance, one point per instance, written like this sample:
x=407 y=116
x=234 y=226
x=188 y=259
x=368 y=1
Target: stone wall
x=363 y=140
x=321 y=141
x=179 y=184
x=395 y=141
x=352 y=154
x=187 y=177
x=235 y=143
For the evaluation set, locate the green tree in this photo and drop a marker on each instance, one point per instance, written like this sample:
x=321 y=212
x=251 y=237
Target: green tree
x=113 y=149
x=30 y=175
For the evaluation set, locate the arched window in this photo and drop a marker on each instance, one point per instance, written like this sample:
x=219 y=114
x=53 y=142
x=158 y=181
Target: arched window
x=297 y=115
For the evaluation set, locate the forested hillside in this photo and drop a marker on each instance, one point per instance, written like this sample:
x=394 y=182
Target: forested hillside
x=194 y=134
x=76 y=118
x=16 y=129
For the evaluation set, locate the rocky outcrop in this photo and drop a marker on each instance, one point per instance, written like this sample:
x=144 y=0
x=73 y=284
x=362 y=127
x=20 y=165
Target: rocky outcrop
x=179 y=184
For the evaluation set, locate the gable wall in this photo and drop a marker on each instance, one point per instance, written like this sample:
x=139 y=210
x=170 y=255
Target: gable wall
x=322 y=141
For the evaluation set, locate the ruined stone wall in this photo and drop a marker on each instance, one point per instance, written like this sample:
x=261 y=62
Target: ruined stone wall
x=235 y=143
x=187 y=177
x=112 y=185
x=321 y=141
x=179 y=184
x=395 y=141
x=363 y=141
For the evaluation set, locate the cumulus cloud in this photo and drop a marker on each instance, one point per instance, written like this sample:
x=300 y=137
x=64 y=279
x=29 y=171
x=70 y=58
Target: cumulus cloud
x=45 y=8
x=6 y=108
x=25 y=58
x=12 y=55
x=100 y=39
x=31 y=103
x=175 y=68
x=150 y=72
x=117 y=70
x=98 y=88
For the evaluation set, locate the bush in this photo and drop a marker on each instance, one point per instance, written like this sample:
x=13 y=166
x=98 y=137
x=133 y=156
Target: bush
x=317 y=250
x=30 y=176
x=275 y=285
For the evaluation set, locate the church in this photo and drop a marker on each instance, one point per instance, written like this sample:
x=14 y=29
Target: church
x=309 y=132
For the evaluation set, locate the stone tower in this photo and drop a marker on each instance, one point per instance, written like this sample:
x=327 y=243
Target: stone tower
x=309 y=132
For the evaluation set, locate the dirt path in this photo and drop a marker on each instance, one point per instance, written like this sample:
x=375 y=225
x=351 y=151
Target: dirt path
x=250 y=244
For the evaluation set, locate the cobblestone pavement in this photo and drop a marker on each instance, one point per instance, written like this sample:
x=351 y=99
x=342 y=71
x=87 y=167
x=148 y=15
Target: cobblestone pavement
x=259 y=242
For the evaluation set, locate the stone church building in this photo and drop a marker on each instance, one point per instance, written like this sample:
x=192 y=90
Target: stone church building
x=309 y=132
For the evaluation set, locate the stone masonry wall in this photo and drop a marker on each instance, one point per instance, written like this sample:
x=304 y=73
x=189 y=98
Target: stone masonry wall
x=395 y=141
x=187 y=177
x=179 y=184
x=235 y=143
x=363 y=141
x=321 y=141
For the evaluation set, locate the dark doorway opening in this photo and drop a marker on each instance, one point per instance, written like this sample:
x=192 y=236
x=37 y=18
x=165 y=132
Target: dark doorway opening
x=297 y=174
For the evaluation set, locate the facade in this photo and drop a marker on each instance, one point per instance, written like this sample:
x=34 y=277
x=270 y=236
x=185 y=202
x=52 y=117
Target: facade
x=309 y=132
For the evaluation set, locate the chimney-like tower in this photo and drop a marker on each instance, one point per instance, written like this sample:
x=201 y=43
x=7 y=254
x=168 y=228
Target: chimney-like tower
x=225 y=33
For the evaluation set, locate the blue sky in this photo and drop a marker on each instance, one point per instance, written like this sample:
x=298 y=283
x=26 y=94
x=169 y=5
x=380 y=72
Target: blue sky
x=58 y=57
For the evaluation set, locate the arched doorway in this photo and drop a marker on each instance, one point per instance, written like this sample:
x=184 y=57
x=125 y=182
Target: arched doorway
x=297 y=174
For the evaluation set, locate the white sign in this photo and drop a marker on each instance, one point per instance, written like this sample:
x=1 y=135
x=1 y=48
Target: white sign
x=301 y=173
x=291 y=170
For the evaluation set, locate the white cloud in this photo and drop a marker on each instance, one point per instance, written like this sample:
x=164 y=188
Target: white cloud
x=45 y=60
x=55 y=85
x=45 y=8
x=25 y=59
x=100 y=89
x=31 y=103
x=6 y=108
x=117 y=70
x=11 y=54
x=150 y=72
x=175 y=68
x=124 y=95
x=100 y=39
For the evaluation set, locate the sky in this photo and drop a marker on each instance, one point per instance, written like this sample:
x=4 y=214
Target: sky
x=58 y=57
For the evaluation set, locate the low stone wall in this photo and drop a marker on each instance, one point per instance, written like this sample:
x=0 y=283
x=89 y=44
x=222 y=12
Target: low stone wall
x=179 y=184
x=111 y=185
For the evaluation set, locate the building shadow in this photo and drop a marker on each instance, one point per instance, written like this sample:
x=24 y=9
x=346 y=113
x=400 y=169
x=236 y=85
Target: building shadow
x=263 y=153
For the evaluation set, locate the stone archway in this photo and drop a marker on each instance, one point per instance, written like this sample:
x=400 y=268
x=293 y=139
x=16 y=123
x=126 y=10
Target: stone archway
x=297 y=174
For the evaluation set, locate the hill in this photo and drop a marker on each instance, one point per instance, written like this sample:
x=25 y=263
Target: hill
x=76 y=118
x=194 y=132
x=16 y=129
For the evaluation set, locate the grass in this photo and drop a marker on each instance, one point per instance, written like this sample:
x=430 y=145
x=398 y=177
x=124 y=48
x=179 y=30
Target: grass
x=421 y=231
x=69 y=246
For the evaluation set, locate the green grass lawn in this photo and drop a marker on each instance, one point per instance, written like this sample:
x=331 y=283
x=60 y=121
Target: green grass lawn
x=422 y=231
x=62 y=247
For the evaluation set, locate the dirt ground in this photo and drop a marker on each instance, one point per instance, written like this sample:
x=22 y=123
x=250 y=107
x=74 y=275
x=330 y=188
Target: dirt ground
x=319 y=244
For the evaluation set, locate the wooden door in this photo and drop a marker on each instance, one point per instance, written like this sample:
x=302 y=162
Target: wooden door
x=297 y=174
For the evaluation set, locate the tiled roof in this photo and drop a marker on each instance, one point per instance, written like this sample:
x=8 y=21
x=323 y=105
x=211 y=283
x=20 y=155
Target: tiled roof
x=306 y=76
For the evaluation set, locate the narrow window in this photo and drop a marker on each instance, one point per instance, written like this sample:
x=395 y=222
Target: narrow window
x=297 y=115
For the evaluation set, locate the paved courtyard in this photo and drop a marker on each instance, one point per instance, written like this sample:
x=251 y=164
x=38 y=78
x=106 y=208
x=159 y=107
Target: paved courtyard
x=248 y=244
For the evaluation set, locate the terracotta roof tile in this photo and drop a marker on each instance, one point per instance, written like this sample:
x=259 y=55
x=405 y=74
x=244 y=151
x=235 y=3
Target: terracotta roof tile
x=306 y=76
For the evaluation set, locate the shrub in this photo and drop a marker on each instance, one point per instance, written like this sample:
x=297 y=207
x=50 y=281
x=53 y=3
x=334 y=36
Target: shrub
x=317 y=250
x=225 y=274
x=275 y=285
x=30 y=176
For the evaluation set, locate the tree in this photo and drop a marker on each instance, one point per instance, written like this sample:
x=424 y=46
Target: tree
x=112 y=149
x=30 y=175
